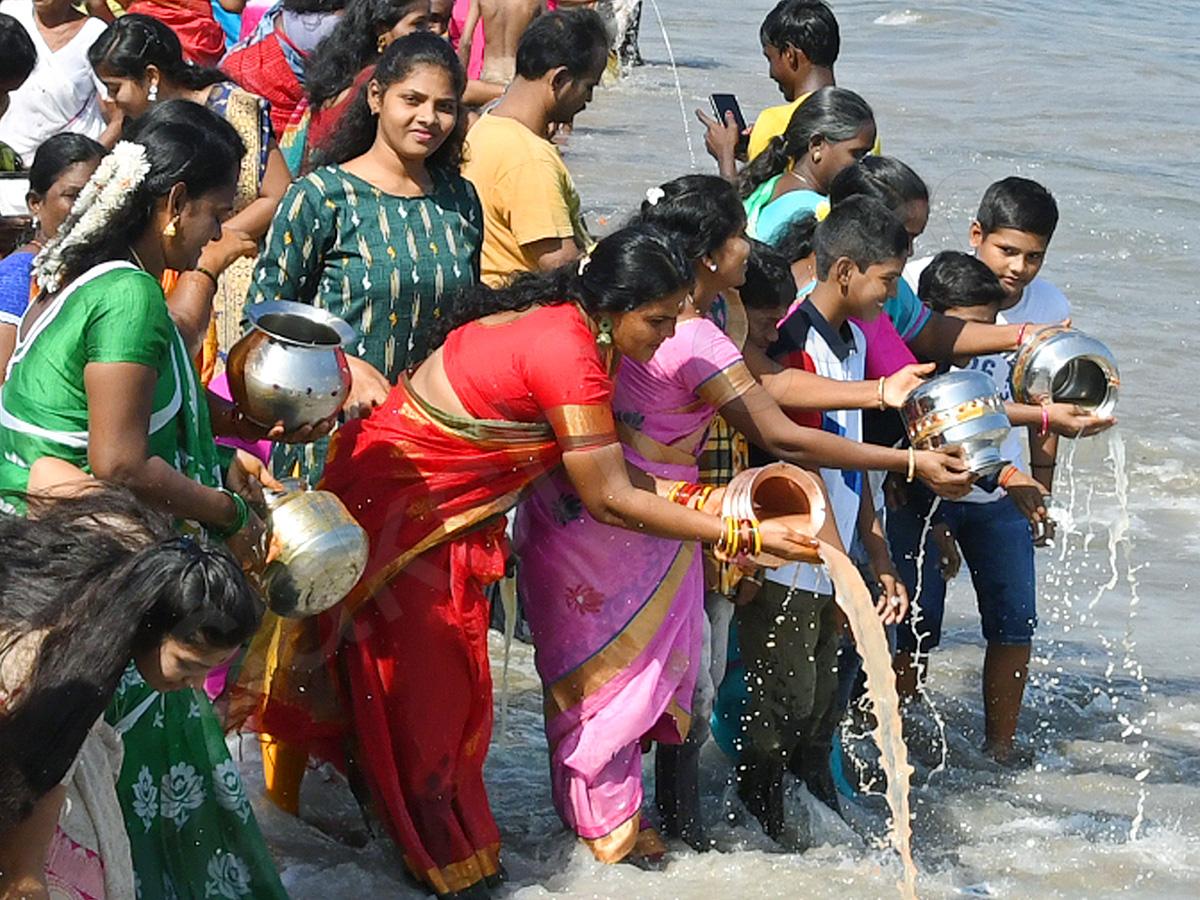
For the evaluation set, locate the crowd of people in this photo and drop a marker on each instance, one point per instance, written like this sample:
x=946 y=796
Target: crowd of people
x=528 y=403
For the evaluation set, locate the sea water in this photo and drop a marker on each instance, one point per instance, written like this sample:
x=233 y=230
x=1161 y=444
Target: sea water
x=1098 y=101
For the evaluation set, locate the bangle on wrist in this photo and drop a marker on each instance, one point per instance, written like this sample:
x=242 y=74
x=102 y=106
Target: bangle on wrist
x=1021 y=334
x=1007 y=475
x=912 y=464
x=207 y=273
x=241 y=517
x=1045 y=429
x=882 y=382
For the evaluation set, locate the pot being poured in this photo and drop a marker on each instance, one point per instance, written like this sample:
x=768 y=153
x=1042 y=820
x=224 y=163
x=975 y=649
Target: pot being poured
x=779 y=491
x=322 y=551
x=1063 y=365
x=290 y=366
x=959 y=409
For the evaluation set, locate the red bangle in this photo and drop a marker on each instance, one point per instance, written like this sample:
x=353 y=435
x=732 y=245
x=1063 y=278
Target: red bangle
x=1045 y=430
x=1021 y=334
x=1007 y=475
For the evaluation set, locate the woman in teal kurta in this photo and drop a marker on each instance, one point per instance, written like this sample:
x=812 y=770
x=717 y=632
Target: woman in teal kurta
x=101 y=378
x=380 y=234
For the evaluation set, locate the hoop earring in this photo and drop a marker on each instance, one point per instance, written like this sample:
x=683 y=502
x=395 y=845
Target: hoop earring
x=169 y=230
x=605 y=337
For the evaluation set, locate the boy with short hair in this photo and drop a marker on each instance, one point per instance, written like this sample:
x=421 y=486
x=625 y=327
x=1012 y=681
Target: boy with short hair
x=992 y=524
x=531 y=210
x=801 y=41
x=788 y=636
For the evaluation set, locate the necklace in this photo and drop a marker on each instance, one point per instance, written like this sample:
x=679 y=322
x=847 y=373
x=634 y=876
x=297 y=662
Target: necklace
x=137 y=259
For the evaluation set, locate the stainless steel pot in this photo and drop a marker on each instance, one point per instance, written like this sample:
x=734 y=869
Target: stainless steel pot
x=778 y=491
x=1064 y=365
x=322 y=551
x=290 y=366
x=959 y=409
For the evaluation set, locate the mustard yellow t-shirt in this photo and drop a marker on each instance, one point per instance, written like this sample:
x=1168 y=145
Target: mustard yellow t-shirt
x=526 y=192
x=773 y=121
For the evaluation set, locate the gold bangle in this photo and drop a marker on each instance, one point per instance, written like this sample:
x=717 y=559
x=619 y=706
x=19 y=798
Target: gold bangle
x=912 y=464
x=674 y=491
x=882 y=381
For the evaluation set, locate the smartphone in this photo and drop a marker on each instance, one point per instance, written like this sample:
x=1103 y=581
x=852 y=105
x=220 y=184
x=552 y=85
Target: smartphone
x=727 y=103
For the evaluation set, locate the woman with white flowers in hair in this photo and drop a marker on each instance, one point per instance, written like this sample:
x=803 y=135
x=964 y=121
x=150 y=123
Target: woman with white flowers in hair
x=101 y=379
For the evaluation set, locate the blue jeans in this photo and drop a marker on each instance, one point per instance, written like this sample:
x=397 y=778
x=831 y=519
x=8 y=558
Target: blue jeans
x=997 y=546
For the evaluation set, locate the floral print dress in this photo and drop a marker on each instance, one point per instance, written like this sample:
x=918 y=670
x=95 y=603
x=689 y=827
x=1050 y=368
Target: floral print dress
x=190 y=824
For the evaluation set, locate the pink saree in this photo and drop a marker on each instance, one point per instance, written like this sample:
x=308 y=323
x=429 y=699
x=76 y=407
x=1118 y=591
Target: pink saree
x=617 y=617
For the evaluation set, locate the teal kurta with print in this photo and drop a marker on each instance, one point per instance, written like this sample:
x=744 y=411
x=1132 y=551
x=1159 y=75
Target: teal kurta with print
x=381 y=262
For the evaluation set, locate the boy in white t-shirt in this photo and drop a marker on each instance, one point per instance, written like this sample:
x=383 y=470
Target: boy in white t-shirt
x=992 y=525
x=788 y=635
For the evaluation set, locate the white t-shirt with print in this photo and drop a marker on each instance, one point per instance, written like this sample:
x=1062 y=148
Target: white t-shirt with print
x=1042 y=304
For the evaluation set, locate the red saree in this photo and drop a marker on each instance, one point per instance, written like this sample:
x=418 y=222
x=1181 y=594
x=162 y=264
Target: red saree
x=193 y=22
x=408 y=647
x=262 y=68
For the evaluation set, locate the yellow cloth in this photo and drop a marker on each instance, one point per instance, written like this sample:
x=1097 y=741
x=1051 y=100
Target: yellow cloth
x=526 y=192
x=773 y=121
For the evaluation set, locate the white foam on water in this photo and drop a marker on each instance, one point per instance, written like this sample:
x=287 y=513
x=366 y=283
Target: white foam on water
x=899 y=18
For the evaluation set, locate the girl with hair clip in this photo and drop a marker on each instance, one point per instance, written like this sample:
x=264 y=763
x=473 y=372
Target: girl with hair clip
x=622 y=606
x=832 y=129
x=66 y=649
x=520 y=385
x=201 y=36
x=140 y=62
x=385 y=227
x=101 y=378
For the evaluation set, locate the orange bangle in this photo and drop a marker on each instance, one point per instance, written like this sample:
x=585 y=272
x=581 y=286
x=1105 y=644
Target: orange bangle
x=1007 y=475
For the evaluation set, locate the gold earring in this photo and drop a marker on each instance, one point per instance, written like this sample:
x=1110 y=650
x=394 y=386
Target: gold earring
x=605 y=337
x=816 y=157
x=382 y=43
x=169 y=230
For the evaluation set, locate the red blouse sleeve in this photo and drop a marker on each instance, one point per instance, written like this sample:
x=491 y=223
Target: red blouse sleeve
x=568 y=381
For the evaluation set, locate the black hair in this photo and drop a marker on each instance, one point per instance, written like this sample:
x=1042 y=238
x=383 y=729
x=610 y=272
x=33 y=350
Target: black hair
x=573 y=39
x=314 y=6
x=100 y=576
x=954 y=279
x=357 y=129
x=57 y=154
x=861 y=229
x=350 y=47
x=797 y=239
x=636 y=265
x=703 y=211
x=769 y=280
x=18 y=55
x=1019 y=204
x=808 y=26
x=136 y=41
x=185 y=143
x=831 y=114
x=882 y=178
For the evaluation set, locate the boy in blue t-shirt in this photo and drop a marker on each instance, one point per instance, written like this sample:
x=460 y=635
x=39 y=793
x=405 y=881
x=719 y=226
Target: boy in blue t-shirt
x=788 y=636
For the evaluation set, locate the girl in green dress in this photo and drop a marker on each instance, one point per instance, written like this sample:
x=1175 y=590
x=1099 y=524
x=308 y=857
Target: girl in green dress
x=101 y=378
x=385 y=227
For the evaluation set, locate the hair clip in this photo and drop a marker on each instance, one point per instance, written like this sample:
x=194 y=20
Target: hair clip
x=584 y=262
x=654 y=195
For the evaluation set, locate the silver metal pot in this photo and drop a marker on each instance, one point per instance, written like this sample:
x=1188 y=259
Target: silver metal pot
x=1064 y=365
x=959 y=409
x=290 y=366
x=322 y=551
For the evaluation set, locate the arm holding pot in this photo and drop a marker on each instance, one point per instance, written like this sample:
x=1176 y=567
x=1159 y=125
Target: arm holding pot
x=1064 y=419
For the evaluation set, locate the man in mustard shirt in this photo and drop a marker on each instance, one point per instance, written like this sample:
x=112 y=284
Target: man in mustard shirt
x=531 y=210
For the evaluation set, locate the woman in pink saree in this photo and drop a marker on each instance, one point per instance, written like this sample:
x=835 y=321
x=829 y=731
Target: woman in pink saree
x=617 y=617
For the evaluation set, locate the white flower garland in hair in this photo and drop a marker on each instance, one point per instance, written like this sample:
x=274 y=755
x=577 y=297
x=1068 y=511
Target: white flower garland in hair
x=105 y=194
x=654 y=195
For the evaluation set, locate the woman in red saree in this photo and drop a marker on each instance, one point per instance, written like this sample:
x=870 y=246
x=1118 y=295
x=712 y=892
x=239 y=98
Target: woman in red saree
x=508 y=397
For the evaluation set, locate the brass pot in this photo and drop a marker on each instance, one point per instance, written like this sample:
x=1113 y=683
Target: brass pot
x=322 y=551
x=779 y=491
x=290 y=366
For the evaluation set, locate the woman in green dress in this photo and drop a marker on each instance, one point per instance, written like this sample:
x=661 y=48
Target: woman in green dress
x=100 y=378
x=385 y=227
